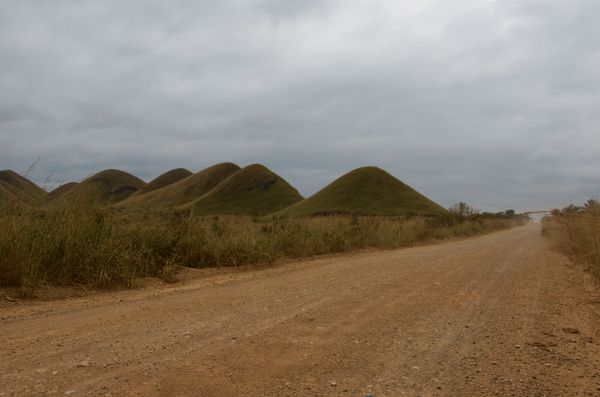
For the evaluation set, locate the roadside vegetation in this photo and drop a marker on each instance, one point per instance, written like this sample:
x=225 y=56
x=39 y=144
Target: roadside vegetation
x=103 y=247
x=575 y=231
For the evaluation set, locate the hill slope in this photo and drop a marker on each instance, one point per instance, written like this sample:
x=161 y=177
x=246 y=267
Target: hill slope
x=8 y=200
x=365 y=191
x=22 y=187
x=59 y=191
x=184 y=191
x=254 y=190
x=166 y=179
x=102 y=189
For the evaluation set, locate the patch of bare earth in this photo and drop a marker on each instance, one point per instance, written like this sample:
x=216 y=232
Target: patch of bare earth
x=496 y=315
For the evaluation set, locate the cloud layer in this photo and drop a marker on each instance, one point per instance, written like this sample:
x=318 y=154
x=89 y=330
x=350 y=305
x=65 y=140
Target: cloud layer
x=491 y=102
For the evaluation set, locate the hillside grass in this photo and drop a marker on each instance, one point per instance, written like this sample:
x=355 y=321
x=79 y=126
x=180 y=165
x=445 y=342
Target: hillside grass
x=20 y=182
x=9 y=197
x=254 y=190
x=366 y=191
x=23 y=189
x=102 y=189
x=163 y=180
x=576 y=232
x=107 y=248
x=54 y=194
x=182 y=192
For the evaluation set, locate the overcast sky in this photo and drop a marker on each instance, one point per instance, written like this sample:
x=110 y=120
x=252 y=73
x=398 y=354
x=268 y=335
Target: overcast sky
x=496 y=103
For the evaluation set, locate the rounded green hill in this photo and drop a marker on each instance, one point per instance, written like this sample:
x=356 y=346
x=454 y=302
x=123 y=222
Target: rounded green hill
x=102 y=189
x=8 y=199
x=254 y=190
x=365 y=191
x=184 y=191
x=166 y=179
x=59 y=191
x=22 y=187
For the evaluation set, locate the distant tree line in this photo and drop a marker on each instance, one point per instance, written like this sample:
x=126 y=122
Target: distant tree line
x=592 y=205
x=462 y=212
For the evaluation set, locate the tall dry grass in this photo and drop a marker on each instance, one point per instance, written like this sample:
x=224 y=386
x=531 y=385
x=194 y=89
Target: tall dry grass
x=575 y=231
x=82 y=245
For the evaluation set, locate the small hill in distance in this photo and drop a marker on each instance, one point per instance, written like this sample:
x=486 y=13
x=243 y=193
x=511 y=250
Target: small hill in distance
x=183 y=191
x=22 y=187
x=227 y=189
x=365 y=191
x=253 y=190
x=59 y=191
x=166 y=179
x=102 y=189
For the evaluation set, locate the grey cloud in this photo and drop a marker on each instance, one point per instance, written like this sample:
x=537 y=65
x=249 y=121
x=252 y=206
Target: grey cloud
x=490 y=102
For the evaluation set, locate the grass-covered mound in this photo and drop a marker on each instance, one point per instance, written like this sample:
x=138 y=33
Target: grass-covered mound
x=166 y=179
x=254 y=190
x=184 y=191
x=8 y=199
x=102 y=189
x=21 y=187
x=59 y=191
x=365 y=191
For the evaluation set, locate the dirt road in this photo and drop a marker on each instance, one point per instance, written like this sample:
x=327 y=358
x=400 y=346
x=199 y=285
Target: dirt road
x=500 y=314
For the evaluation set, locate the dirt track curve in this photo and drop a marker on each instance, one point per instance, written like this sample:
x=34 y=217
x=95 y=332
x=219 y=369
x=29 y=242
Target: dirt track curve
x=500 y=314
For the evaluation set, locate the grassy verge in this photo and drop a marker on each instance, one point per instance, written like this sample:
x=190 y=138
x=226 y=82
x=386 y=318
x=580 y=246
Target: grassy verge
x=576 y=232
x=107 y=248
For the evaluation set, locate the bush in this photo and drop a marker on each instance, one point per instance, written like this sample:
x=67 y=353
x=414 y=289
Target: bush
x=575 y=231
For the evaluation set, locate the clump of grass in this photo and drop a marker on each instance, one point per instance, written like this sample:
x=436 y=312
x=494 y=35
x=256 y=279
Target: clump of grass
x=105 y=248
x=575 y=231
